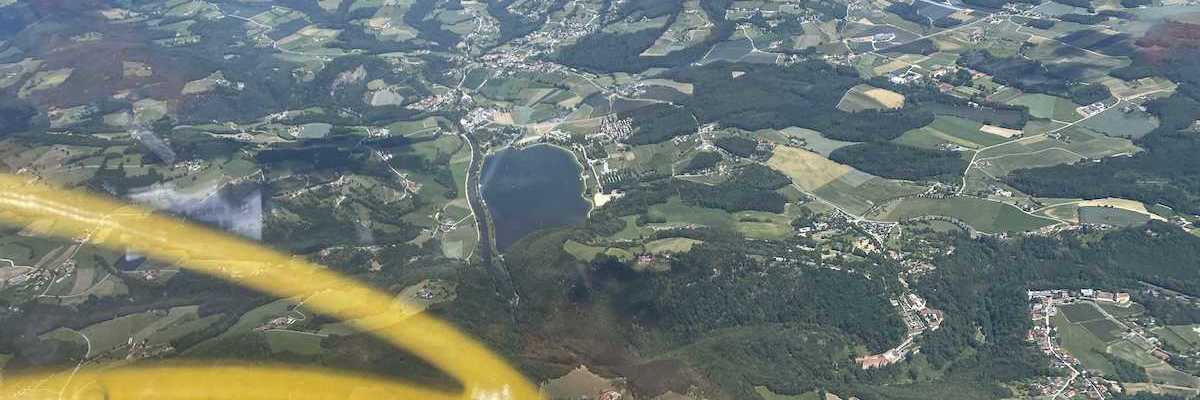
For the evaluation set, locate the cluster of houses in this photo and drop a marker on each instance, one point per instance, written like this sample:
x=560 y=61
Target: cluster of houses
x=1059 y=296
x=918 y=318
x=613 y=128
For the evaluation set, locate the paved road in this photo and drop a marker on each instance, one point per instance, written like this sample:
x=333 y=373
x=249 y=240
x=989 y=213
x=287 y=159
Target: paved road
x=475 y=199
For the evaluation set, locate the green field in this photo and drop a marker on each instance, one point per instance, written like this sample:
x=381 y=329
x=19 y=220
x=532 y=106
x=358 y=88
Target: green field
x=1183 y=337
x=1134 y=353
x=813 y=140
x=857 y=99
x=250 y=320
x=1082 y=344
x=950 y=129
x=1165 y=374
x=999 y=167
x=983 y=215
x=1048 y=107
x=1112 y=216
x=1044 y=151
x=183 y=328
x=116 y=332
x=859 y=198
x=581 y=251
x=763 y=226
x=414 y=128
x=293 y=342
x=1132 y=309
x=1081 y=312
x=1104 y=329
x=767 y=394
x=671 y=245
x=1117 y=122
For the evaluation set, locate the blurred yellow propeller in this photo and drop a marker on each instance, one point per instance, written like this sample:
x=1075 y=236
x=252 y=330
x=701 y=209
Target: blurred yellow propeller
x=77 y=215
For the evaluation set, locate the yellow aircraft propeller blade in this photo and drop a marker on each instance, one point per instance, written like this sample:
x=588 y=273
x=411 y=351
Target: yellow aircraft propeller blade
x=78 y=215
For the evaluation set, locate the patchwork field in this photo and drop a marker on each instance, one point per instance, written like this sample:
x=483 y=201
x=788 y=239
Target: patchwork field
x=813 y=140
x=857 y=196
x=1084 y=345
x=302 y=343
x=1086 y=333
x=1122 y=123
x=852 y=190
x=671 y=245
x=1048 y=107
x=1081 y=312
x=1099 y=210
x=808 y=170
x=753 y=224
x=1078 y=143
x=951 y=130
x=983 y=215
x=579 y=383
x=1185 y=337
x=1111 y=216
x=866 y=97
x=581 y=250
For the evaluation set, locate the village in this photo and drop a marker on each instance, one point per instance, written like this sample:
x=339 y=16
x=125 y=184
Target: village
x=1065 y=319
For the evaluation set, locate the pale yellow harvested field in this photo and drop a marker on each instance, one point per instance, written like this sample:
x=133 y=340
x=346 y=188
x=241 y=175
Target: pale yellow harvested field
x=1066 y=212
x=807 y=169
x=7 y=272
x=998 y=131
x=579 y=383
x=890 y=67
x=684 y=87
x=671 y=245
x=309 y=32
x=886 y=97
x=503 y=118
x=1125 y=204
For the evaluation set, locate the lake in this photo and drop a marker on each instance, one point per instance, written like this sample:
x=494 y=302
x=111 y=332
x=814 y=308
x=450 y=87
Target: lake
x=530 y=189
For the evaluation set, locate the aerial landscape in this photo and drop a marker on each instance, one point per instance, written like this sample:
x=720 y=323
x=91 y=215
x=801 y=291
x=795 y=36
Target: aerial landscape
x=624 y=199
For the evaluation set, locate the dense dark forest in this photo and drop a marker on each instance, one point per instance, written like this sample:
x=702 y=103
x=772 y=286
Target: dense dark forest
x=690 y=301
x=737 y=145
x=1089 y=93
x=15 y=116
x=659 y=122
x=701 y=161
x=1022 y=73
x=995 y=4
x=896 y=161
x=1085 y=19
x=1076 y=3
x=803 y=94
x=752 y=188
x=1040 y=23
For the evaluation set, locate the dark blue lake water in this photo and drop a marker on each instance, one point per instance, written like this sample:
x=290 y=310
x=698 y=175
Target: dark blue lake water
x=530 y=189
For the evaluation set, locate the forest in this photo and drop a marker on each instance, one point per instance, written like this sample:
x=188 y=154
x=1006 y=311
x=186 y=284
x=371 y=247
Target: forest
x=896 y=161
x=658 y=122
x=1025 y=74
x=1168 y=172
x=751 y=188
x=803 y=94
x=606 y=52
x=717 y=286
x=981 y=285
x=701 y=161
x=15 y=116
x=737 y=145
